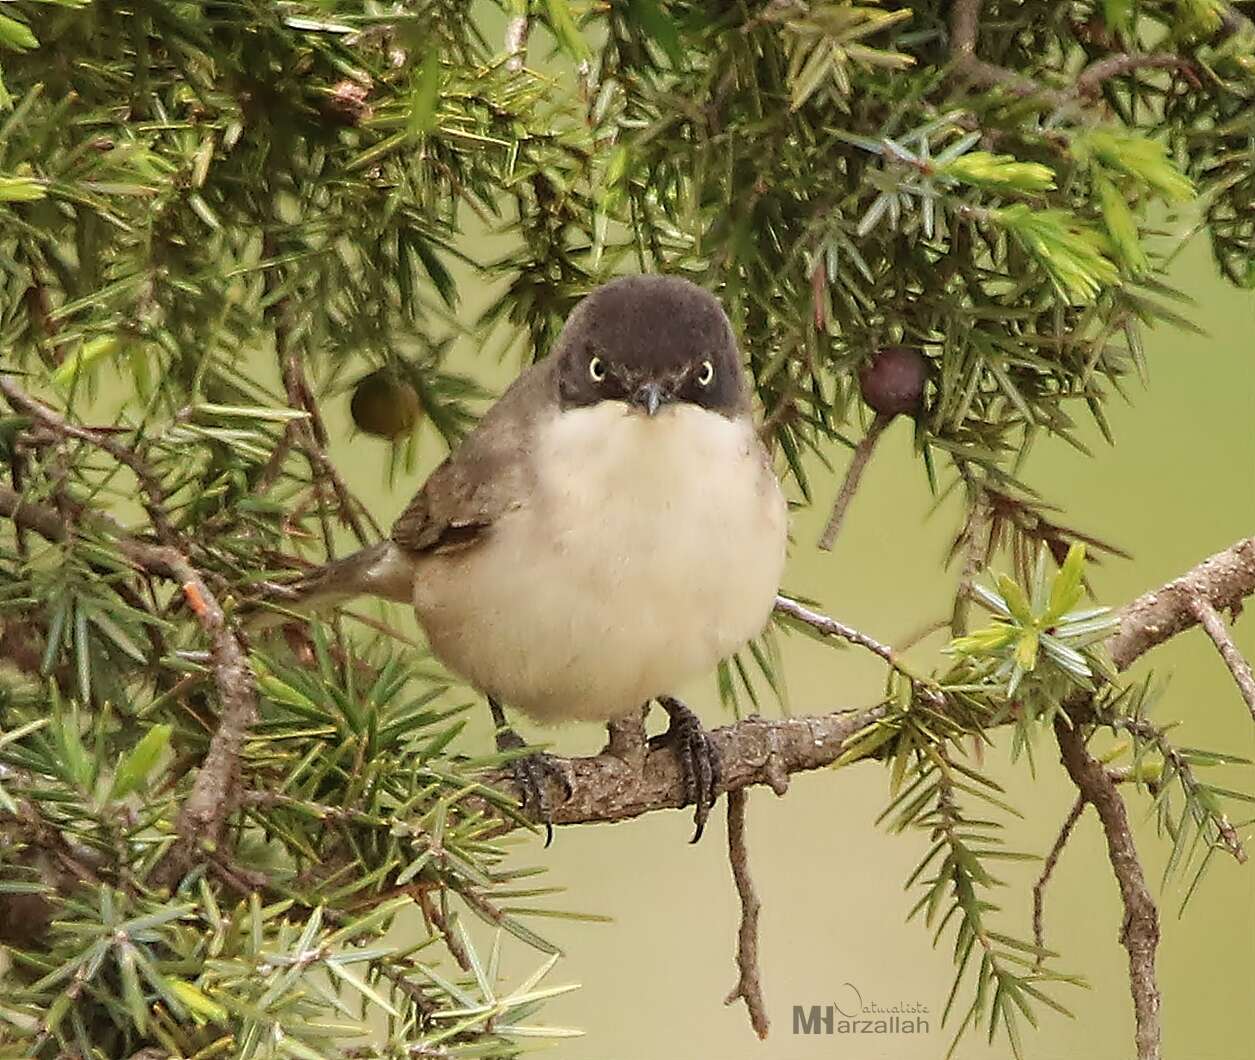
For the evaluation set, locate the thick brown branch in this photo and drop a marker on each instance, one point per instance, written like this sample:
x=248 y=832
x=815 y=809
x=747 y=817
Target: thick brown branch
x=756 y=750
x=1209 y=618
x=1223 y=580
x=1140 y=933
x=753 y=751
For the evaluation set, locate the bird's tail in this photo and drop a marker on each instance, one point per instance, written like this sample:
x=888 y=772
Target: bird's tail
x=382 y=569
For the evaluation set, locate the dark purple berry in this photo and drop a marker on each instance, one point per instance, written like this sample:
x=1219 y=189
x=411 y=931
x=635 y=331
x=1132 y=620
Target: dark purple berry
x=893 y=380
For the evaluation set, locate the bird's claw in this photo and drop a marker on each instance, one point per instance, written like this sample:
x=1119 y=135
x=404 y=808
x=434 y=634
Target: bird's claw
x=531 y=773
x=698 y=757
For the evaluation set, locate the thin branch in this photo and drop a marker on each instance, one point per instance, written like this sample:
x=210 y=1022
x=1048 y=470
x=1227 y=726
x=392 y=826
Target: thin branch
x=977 y=541
x=830 y=627
x=310 y=432
x=1143 y=730
x=435 y=918
x=517 y=30
x=964 y=29
x=47 y=522
x=215 y=790
x=1048 y=868
x=1209 y=618
x=1140 y=932
x=749 y=987
x=854 y=474
x=964 y=26
x=1089 y=81
x=153 y=492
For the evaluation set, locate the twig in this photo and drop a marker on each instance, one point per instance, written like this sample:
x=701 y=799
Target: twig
x=215 y=790
x=964 y=24
x=749 y=987
x=862 y=453
x=832 y=628
x=28 y=515
x=1052 y=859
x=964 y=27
x=212 y=799
x=1209 y=618
x=39 y=309
x=310 y=432
x=517 y=31
x=1090 y=79
x=977 y=539
x=1142 y=729
x=435 y=918
x=154 y=494
x=1140 y=932
x=921 y=634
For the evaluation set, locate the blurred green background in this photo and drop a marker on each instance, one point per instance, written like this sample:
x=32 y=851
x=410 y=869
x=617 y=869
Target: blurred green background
x=1179 y=484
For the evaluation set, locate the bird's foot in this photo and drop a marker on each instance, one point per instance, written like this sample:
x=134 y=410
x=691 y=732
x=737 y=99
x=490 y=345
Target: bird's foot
x=699 y=759
x=531 y=775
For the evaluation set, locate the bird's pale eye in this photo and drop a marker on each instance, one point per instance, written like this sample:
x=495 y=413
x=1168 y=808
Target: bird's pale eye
x=596 y=369
x=705 y=374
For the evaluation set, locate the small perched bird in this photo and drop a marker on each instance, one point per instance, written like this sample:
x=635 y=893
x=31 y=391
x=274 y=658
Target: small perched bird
x=611 y=529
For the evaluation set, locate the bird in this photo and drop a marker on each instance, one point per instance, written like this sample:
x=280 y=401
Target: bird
x=611 y=529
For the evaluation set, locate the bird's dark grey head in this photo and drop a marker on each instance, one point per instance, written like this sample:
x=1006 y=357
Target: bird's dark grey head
x=650 y=341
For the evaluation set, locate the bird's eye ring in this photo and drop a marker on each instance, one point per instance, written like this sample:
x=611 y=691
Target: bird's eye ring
x=705 y=374
x=596 y=369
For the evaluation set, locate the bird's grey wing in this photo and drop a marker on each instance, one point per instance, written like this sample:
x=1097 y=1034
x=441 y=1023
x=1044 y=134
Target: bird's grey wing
x=486 y=476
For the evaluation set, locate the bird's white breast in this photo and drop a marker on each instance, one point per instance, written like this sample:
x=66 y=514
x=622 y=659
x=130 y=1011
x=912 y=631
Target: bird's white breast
x=652 y=548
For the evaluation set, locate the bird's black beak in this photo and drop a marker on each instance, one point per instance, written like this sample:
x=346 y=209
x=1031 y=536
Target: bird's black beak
x=650 y=397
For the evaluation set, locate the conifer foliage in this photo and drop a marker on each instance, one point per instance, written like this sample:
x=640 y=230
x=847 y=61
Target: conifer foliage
x=226 y=211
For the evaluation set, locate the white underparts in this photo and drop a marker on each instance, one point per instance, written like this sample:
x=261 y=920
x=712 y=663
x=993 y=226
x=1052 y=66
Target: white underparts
x=652 y=549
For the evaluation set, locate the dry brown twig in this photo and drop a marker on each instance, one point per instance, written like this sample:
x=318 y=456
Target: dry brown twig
x=853 y=475
x=1048 y=868
x=749 y=987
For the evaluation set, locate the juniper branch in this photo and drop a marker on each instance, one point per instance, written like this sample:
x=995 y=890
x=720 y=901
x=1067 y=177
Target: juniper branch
x=1140 y=932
